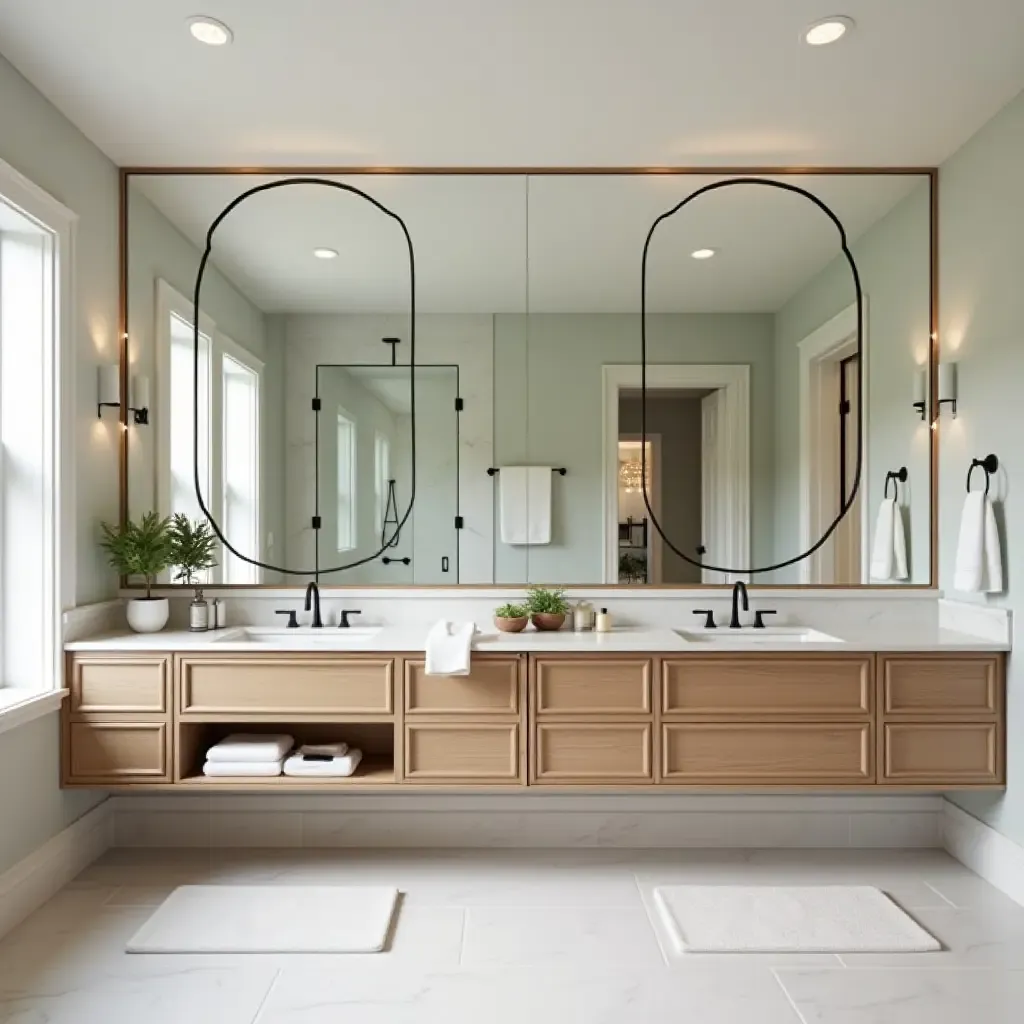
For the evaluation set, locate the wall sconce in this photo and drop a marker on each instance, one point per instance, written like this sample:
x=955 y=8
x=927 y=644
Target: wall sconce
x=947 y=386
x=921 y=392
x=108 y=388
x=140 y=401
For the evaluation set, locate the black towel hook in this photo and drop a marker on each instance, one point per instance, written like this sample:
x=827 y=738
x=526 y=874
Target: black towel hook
x=895 y=475
x=989 y=464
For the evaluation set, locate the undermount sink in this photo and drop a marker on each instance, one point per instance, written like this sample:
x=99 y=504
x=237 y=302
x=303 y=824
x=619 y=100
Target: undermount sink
x=305 y=636
x=756 y=637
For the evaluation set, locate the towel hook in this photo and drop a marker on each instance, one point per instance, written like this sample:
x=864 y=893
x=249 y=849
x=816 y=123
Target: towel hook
x=989 y=464
x=895 y=475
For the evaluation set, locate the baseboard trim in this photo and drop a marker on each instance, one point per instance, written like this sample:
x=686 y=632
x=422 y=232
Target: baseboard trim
x=43 y=873
x=988 y=853
x=739 y=821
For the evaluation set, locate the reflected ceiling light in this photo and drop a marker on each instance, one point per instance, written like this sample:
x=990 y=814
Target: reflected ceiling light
x=828 y=30
x=209 y=30
x=325 y=253
x=702 y=254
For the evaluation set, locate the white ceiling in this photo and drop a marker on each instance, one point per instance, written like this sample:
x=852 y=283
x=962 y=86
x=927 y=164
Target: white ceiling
x=500 y=244
x=530 y=82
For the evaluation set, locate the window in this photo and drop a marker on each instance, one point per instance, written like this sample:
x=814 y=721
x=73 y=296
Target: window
x=382 y=476
x=346 y=482
x=241 y=471
x=182 y=497
x=36 y=514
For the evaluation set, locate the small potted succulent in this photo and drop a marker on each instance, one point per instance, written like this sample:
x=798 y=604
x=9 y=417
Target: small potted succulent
x=511 y=618
x=547 y=608
x=141 y=549
x=193 y=548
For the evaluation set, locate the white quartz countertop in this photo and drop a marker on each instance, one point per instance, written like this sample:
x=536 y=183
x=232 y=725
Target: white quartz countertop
x=623 y=639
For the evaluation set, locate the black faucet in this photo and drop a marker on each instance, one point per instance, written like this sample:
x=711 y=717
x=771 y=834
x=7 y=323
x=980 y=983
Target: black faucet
x=313 y=600
x=343 y=622
x=739 y=587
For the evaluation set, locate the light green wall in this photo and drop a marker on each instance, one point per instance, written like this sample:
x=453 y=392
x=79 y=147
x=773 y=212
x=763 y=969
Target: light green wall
x=981 y=267
x=893 y=259
x=548 y=400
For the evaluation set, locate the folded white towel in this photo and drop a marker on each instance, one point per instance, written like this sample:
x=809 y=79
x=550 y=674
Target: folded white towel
x=448 y=648
x=241 y=769
x=525 y=504
x=889 y=552
x=979 y=560
x=331 y=749
x=249 y=747
x=337 y=767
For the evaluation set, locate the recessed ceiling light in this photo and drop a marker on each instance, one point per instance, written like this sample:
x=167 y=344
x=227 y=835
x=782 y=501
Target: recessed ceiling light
x=702 y=254
x=828 y=30
x=325 y=254
x=209 y=30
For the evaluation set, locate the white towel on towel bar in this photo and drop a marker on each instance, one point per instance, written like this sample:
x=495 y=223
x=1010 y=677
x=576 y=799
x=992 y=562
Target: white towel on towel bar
x=242 y=769
x=338 y=767
x=525 y=504
x=889 y=552
x=249 y=747
x=448 y=648
x=979 y=558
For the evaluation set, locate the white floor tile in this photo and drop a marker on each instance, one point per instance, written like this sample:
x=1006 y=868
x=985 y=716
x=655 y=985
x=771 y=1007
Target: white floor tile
x=906 y=996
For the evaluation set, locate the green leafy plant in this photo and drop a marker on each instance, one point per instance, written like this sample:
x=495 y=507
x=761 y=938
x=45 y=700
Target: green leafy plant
x=511 y=611
x=193 y=547
x=139 y=549
x=541 y=601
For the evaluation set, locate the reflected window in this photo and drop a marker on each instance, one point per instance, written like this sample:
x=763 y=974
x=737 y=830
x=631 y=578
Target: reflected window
x=181 y=436
x=346 y=498
x=241 y=477
x=382 y=475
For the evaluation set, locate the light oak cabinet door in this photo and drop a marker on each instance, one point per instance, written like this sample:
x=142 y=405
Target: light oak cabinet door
x=491 y=688
x=919 y=686
x=119 y=684
x=597 y=685
x=593 y=752
x=783 y=753
x=943 y=754
x=101 y=752
x=469 y=752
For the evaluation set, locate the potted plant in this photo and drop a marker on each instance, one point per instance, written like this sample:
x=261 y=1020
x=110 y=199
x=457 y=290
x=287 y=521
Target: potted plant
x=193 y=548
x=511 y=618
x=141 y=549
x=547 y=607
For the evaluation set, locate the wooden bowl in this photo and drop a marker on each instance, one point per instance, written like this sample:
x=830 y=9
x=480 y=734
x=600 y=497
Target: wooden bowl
x=512 y=625
x=547 y=621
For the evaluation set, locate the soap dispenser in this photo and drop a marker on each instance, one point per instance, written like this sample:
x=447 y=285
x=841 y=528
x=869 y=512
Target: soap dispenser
x=604 y=621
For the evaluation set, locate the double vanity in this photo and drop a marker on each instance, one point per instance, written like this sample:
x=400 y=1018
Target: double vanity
x=781 y=707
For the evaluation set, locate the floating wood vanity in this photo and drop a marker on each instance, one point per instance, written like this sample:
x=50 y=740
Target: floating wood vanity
x=792 y=720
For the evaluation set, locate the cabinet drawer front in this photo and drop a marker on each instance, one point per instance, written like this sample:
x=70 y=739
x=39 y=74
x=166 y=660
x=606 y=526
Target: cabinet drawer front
x=810 y=753
x=117 y=750
x=292 y=685
x=942 y=753
x=766 y=685
x=454 y=751
x=593 y=751
x=940 y=686
x=132 y=684
x=491 y=688
x=597 y=686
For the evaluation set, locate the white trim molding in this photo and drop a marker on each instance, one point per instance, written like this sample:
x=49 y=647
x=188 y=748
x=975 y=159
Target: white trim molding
x=44 y=872
x=19 y=706
x=734 y=380
x=988 y=853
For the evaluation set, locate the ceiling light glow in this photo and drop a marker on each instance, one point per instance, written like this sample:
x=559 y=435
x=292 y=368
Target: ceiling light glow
x=209 y=30
x=828 y=30
x=324 y=253
x=702 y=254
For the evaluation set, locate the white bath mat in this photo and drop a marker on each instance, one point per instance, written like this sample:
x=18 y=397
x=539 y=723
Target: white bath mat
x=269 y=919
x=788 y=919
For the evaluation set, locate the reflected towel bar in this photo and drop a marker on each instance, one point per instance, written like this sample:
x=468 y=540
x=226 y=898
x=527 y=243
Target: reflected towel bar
x=560 y=470
x=989 y=464
x=897 y=477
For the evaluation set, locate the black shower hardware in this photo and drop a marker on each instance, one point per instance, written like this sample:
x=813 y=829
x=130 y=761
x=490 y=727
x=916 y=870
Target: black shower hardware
x=560 y=470
x=989 y=464
x=390 y=561
x=897 y=476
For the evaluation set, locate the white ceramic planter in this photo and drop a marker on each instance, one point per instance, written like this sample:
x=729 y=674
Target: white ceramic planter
x=148 y=615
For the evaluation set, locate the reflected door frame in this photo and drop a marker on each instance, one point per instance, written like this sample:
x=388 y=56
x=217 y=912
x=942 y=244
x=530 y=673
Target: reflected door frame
x=734 y=382
x=821 y=354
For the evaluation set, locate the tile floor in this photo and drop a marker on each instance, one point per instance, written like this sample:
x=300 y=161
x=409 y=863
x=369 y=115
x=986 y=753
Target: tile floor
x=525 y=936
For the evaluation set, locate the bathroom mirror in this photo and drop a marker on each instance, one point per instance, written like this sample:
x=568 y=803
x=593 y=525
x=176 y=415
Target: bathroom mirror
x=528 y=355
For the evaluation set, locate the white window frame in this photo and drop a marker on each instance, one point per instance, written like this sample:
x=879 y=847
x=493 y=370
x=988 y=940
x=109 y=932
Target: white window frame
x=353 y=445
x=59 y=417
x=381 y=475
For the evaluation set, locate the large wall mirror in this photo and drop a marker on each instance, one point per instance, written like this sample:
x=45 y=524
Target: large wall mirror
x=522 y=426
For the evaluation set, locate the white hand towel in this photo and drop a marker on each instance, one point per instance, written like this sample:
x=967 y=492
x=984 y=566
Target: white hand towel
x=337 y=767
x=331 y=749
x=979 y=563
x=448 y=648
x=241 y=769
x=249 y=747
x=525 y=504
x=889 y=551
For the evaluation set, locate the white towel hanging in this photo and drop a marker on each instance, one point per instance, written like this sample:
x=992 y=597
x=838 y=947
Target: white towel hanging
x=449 y=647
x=525 y=504
x=889 y=551
x=979 y=560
